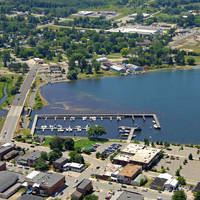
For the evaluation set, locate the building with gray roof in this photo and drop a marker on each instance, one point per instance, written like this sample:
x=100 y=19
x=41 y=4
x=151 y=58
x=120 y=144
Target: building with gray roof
x=85 y=186
x=5 y=148
x=8 y=184
x=58 y=164
x=127 y=195
x=49 y=183
x=29 y=159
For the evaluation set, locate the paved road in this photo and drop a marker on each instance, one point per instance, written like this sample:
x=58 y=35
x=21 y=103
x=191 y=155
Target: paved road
x=15 y=111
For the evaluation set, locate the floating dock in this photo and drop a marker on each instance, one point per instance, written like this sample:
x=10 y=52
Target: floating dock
x=117 y=116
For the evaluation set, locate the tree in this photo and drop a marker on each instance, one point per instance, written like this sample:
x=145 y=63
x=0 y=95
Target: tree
x=98 y=155
x=56 y=142
x=75 y=157
x=124 y=52
x=97 y=66
x=179 y=195
x=146 y=141
x=191 y=61
x=72 y=75
x=54 y=155
x=91 y=197
x=69 y=144
x=190 y=157
x=197 y=195
x=5 y=57
x=181 y=180
x=167 y=144
x=178 y=172
x=96 y=131
x=179 y=58
x=41 y=165
x=44 y=155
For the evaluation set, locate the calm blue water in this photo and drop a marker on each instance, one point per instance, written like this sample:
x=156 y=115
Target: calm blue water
x=173 y=95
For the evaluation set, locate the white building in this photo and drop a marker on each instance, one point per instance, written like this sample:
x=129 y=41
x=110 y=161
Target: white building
x=171 y=183
x=76 y=167
x=103 y=59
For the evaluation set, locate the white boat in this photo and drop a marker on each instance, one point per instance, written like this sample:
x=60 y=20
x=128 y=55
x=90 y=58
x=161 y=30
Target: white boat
x=155 y=126
x=101 y=118
x=60 y=130
x=154 y=121
x=64 y=118
x=87 y=127
x=118 y=118
x=72 y=118
x=110 y=118
x=84 y=118
x=70 y=129
x=78 y=128
x=67 y=129
x=93 y=118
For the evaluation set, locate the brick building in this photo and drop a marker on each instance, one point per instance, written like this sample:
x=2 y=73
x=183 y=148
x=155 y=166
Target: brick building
x=47 y=183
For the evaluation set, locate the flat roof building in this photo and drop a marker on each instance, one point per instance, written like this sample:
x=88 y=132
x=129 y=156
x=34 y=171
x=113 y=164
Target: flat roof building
x=59 y=163
x=111 y=170
x=85 y=186
x=47 y=183
x=164 y=181
x=77 y=167
x=29 y=159
x=138 y=30
x=5 y=148
x=8 y=184
x=137 y=154
x=128 y=173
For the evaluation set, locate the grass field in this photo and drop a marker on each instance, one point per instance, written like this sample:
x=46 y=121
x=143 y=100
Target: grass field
x=2 y=84
x=87 y=142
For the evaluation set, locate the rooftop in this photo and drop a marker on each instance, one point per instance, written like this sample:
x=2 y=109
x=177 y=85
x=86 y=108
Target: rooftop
x=32 y=156
x=5 y=147
x=158 y=182
x=138 y=153
x=7 y=180
x=61 y=160
x=84 y=183
x=75 y=165
x=46 y=179
x=130 y=170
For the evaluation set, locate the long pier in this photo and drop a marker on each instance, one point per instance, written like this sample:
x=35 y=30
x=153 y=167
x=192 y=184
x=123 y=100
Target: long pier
x=101 y=116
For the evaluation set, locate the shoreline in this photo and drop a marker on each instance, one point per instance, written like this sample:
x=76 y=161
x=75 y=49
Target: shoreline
x=92 y=77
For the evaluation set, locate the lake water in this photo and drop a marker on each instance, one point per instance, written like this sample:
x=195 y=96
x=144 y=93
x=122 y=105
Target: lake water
x=173 y=95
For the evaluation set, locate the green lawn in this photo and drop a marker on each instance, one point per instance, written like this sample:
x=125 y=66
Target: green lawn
x=2 y=84
x=87 y=142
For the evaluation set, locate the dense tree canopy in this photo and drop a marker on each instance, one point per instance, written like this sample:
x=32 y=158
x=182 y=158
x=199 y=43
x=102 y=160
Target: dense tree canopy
x=96 y=131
